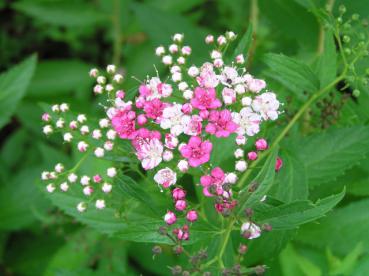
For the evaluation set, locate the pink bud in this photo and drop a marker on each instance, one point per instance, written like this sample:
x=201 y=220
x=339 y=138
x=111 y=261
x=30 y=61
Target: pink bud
x=131 y=115
x=144 y=90
x=261 y=144
x=178 y=193
x=120 y=94
x=191 y=216
x=204 y=114
x=209 y=39
x=180 y=205
x=278 y=164
x=187 y=108
x=186 y=50
x=46 y=117
x=140 y=102
x=182 y=235
x=141 y=119
x=170 y=218
x=252 y=155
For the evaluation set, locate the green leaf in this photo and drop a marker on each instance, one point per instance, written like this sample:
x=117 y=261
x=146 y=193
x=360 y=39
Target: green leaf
x=59 y=77
x=291 y=182
x=222 y=153
x=293 y=74
x=351 y=221
x=61 y=13
x=327 y=63
x=292 y=215
x=329 y=154
x=244 y=44
x=345 y=266
x=13 y=86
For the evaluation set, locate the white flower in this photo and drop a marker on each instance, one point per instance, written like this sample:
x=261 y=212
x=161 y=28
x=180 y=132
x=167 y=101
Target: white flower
x=64 y=186
x=72 y=178
x=47 y=129
x=59 y=168
x=104 y=123
x=248 y=121
x=109 y=87
x=252 y=229
x=85 y=180
x=81 y=207
x=172 y=119
x=267 y=105
x=100 y=204
x=50 y=188
x=229 y=76
x=241 y=165
x=81 y=118
x=240 y=88
x=106 y=187
x=165 y=177
x=150 y=154
x=111 y=172
x=99 y=152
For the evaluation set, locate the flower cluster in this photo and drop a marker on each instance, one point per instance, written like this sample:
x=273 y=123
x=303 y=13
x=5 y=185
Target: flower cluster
x=172 y=126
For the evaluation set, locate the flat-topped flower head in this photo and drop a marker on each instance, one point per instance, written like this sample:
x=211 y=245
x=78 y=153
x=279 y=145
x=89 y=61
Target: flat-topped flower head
x=196 y=151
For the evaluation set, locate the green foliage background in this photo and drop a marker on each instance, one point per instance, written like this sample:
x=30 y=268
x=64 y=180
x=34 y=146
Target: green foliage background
x=55 y=44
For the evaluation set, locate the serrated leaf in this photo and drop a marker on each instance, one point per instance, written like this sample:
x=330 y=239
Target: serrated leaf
x=291 y=215
x=293 y=74
x=13 y=86
x=329 y=154
x=351 y=221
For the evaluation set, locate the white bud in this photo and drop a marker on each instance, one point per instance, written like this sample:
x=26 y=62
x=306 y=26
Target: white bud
x=45 y=175
x=68 y=137
x=110 y=69
x=52 y=175
x=55 y=108
x=81 y=207
x=183 y=165
x=100 y=204
x=111 y=172
x=246 y=101
x=60 y=123
x=230 y=35
x=241 y=166
x=50 y=188
x=108 y=145
x=81 y=118
x=118 y=78
x=176 y=77
x=64 y=186
x=72 y=178
x=59 y=168
x=221 y=40
x=231 y=178
x=84 y=130
x=215 y=54
x=109 y=87
x=218 y=62
x=238 y=153
x=103 y=123
x=88 y=190
x=209 y=39
x=82 y=146
x=175 y=69
x=240 y=89
x=167 y=155
x=178 y=37
x=101 y=80
x=93 y=72
x=240 y=140
x=85 y=180
x=64 y=107
x=47 y=129
x=173 y=48
x=167 y=60
x=188 y=94
x=111 y=134
x=182 y=86
x=96 y=134
x=99 y=152
x=106 y=187
x=159 y=51
x=240 y=59
x=193 y=71
x=73 y=124
x=181 y=60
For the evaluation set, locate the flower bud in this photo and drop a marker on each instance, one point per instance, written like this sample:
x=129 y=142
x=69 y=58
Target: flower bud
x=100 y=204
x=99 y=152
x=73 y=125
x=221 y=40
x=240 y=140
x=242 y=249
x=209 y=39
x=82 y=146
x=93 y=72
x=238 y=153
x=250 y=230
x=141 y=119
x=104 y=123
x=240 y=59
x=72 y=178
x=186 y=50
x=81 y=207
x=50 y=188
x=64 y=107
x=252 y=155
x=261 y=144
x=88 y=190
x=108 y=145
x=191 y=216
x=47 y=129
x=178 y=37
x=81 y=118
x=167 y=155
x=193 y=71
x=111 y=172
x=180 y=205
x=159 y=51
x=278 y=164
x=173 y=48
x=96 y=134
x=183 y=166
x=178 y=194
x=170 y=218
x=241 y=165
x=156 y=250
x=106 y=188
x=230 y=178
x=167 y=60
x=67 y=137
x=60 y=123
x=85 y=180
x=46 y=117
x=59 y=168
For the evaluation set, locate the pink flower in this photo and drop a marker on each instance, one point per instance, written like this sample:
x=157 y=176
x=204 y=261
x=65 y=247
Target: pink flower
x=123 y=122
x=229 y=95
x=216 y=179
x=261 y=144
x=154 y=109
x=278 y=164
x=178 y=193
x=182 y=235
x=196 y=151
x=165 y=177
x=170 y=218
x=221 y=124
x=191 y=216
x=256 y=85
x=207 y=77
x=205 y=98
x=192 y=125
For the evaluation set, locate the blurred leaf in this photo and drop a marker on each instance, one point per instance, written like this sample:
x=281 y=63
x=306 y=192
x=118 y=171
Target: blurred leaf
x=327 y=63
x=61 y=13
x=351 y=221
x=13 y=148
x=175 y=6
x=244 y=44
x=293 y=263
x=291 y=215
x=59 y=77
x=329 y=154
x=294 y=74
x=345 y=266
x=13 y=85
